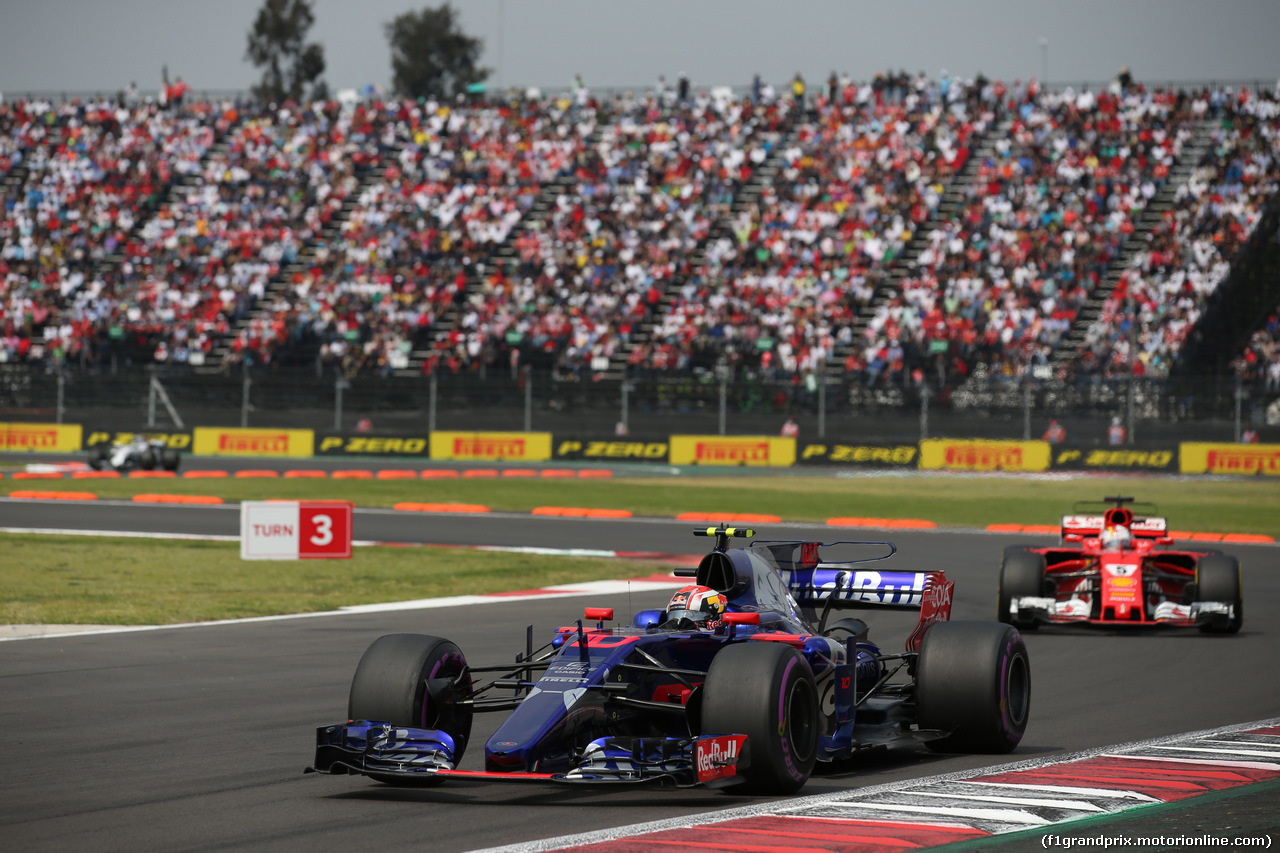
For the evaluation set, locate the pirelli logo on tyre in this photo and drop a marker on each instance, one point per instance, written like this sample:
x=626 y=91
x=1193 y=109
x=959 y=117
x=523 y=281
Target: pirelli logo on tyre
x=491 y=446
x=40 y=438
x=1199 y=457
x=212 y=441
x=976 y=455
x=751 y=451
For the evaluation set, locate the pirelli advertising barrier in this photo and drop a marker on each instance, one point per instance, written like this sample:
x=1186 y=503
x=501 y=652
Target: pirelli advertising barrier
x=748 y=450
x=1127 y=458
x=39 y=438
x=226 y=441
x=491 y=446
x=363 y=444
x=862 y=455
x=180 y=440
x=952 y=454
x=610 y=450
x=1199 y=457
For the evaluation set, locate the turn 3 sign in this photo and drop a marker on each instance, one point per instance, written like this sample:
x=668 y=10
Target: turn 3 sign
x=289 y=530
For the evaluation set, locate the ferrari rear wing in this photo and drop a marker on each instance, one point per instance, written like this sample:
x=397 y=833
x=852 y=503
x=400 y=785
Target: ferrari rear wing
x=1077 y=528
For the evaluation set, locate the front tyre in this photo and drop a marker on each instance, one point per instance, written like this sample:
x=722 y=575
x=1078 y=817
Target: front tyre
x=766 y=692
x=98 y=457
x=973 y=679
x=1218 y=579
x=1021 y=576
x=412 y=680
x=169 y=459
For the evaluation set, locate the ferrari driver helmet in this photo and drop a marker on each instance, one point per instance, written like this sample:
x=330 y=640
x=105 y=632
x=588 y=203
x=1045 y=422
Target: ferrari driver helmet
x=698 y=606
x=1115 y=536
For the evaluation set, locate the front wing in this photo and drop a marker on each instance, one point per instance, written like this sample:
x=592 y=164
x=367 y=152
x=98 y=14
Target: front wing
x=1074 y=610
x=406 y=755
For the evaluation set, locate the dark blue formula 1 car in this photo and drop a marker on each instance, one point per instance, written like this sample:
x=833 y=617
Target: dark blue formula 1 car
x=742 y=680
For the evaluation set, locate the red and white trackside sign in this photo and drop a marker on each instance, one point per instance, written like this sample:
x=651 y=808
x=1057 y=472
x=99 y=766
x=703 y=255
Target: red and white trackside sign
x=289 y=530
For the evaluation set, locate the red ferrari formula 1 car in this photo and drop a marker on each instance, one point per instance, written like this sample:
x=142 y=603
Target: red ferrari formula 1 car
x=1113 y=567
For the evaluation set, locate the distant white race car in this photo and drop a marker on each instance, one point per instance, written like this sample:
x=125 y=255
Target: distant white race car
x=138 y=452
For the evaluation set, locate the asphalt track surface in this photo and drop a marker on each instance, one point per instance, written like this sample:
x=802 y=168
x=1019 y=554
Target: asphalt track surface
x=191 y=739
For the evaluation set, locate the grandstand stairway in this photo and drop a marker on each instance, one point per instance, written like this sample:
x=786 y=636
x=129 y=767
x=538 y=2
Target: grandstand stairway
x=1067 y=347
x=951 y=204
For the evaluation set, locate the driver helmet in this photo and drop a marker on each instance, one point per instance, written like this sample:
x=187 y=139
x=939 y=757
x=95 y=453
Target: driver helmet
x=701 y=606
x=1115 y=536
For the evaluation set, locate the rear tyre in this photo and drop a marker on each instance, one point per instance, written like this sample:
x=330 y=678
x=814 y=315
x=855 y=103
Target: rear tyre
x=843 y=629
x=97 y=457
x=412 y=680
x=147 y=460
x=973 y=679
x=169 y=459
x=1021 y=575
x=1218 y=579
x=766 y=692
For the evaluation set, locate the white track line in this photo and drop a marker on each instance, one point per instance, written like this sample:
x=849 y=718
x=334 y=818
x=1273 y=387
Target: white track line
x=782 y=807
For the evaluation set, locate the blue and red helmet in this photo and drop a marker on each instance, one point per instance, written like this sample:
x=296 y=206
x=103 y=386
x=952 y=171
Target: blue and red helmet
x=700 y=605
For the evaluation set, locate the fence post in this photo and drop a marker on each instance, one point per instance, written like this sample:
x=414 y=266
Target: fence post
x=431 y=404
x=626 y=388
x=822 y=406
x=244 y=400
x=61 y=392
x=339 y=385
x=151 y=403
x=1239 y=399
x=724 y=384
x=528 y=400
x=924 y=411
x=1026 y=409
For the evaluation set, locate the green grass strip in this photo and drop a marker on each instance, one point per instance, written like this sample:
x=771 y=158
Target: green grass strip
x=1249 y=505
x=101 y=581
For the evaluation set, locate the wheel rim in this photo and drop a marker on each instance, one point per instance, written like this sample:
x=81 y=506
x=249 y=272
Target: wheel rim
x=802 y=720
x=1018 y=690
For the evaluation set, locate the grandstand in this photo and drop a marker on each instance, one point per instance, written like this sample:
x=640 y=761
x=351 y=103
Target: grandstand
x=964 y=239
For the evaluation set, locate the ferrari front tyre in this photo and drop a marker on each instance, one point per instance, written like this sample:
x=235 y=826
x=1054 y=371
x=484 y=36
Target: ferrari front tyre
x=1021 y=576
x=414 y=680
x=169 y=459
x=973 y=679
x=97 y=457
x=1218 y=579
x=766 y=692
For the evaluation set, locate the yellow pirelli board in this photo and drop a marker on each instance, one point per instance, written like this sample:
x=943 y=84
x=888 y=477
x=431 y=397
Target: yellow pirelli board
x=1203 y=457
x=959 y=454
x=491 y=446
x=749 y=450
x=40 y=438
x=229 y=441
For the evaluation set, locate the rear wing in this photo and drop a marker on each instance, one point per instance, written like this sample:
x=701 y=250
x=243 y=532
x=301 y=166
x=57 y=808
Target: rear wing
x=1077 y=528
x=830 y=584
